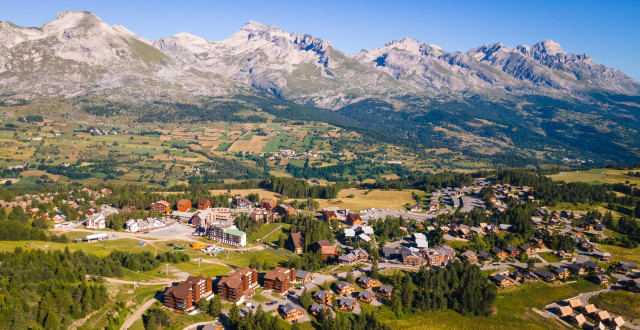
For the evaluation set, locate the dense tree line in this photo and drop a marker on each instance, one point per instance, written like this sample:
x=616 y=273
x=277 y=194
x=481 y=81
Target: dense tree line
x=312 y=229
x=388 y=228
x=423 y=182
x=360 y=169
x=459 y=286
x=363 y=321
x=14 y=230
x=558 y=192
x=49 y=289
x=258 y=321
x=247 y=225
x=296 y=188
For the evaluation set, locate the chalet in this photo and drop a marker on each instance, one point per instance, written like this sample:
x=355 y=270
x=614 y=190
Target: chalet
x=162 y=207
x=500 y=280
x=238 y=285
x=329 y=215
x=323 y=297
x=183 y=217
x=516 y=276
x=500 y=254
x=96 y=221
x=317 y=309
x=184 y=205
x=529 y=277
x=366 y=282
x=204 y=204
x=268 y=204
x=574 y=303
x=634 y=287
x=590 y=309
x=366 y=296
x=579 y=320
x=279 y=280
x=416 y=208
x=577 y=269
x=187 y=294
x=354 y=256
x=291 y=311
x=602 y=256
x=260 y=214
x=439 y=255
x=617 y=322
x=283 y=209
x=385 y=291
x=344 y=288
x=562 y=272
x=601 y=279
x=537 y=242
x=295 y=242
x=411 y=258
x=33 y=211
x=625 y=267
x=602 y=316
x=512 y=251
x=128 y=208
x=492 y=229
x=240 y=202
x=484 y=255
x=591 y=266
x=353 y=219
x=59 y=218
x=346 y=304
x=470 y=255
x=527 y=249
x=545 y=275
x=564 y=311
x=390 y=253
x=364 y=237
x=303 y=276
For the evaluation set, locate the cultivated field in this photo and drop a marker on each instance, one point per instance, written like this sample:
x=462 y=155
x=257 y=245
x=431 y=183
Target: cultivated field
x=596 y=176
x=380 y=199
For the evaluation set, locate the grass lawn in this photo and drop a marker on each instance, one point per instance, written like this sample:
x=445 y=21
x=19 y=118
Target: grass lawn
x=549 y=257
x=514 y=310
x=266 y=229
x=621 y=254
x=99 y=248
x=241 y=260
x=260 y=298
x=206 y=269
x=619 y=302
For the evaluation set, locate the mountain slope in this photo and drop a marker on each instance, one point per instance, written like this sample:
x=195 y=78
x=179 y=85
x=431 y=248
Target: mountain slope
x=79 y=54
x=539 y=69
x=297 y=67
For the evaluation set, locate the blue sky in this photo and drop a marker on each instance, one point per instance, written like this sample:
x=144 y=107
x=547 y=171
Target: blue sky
x=608 y=31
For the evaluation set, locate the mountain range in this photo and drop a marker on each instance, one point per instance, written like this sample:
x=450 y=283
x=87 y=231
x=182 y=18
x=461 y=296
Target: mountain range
x=79 y=55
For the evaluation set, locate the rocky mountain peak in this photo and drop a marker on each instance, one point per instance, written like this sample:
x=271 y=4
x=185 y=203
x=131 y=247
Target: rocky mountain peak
x=548 y=47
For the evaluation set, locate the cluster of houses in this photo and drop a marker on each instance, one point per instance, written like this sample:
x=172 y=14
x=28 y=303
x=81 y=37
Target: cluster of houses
x=240 y=285
x=504 y=279
x=574 y=311
x=437 y=256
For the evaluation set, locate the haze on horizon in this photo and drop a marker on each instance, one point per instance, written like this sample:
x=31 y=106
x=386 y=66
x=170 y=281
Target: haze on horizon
x=605 y=31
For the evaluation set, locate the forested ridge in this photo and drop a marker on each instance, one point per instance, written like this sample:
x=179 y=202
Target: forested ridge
x=49 y=289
